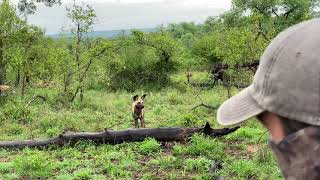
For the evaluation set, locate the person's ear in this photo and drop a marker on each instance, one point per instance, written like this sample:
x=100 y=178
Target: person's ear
x=272 y=122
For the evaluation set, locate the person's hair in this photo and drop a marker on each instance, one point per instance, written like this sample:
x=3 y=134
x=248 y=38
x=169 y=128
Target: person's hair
x=291 y=126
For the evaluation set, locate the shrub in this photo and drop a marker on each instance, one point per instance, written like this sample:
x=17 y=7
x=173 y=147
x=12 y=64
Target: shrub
x=147 y=176
x=200 y=164
x=203 y=146
x=52 y=132
x=167 y=162
x=250 y=135
x=83 y=174
x=178 y=150
x=241 y=169
x=64 y=177
x=119 y=170
x=17 y=111
x=149 y=146
x=35 y=166
x=11 y=176
x=14 y=129
x=138 y=65
x=5 y=168
x=188 y=120
x=119 y=164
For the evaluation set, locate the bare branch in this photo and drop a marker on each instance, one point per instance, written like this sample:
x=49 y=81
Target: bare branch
x=286 y=15
x=34 y=98
x=203 y=105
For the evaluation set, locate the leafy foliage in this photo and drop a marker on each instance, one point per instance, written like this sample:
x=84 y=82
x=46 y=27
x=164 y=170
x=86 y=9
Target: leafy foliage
x=149 y=146
x=108 y=70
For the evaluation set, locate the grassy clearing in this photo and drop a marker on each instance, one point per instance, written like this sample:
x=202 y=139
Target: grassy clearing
x=241 y=155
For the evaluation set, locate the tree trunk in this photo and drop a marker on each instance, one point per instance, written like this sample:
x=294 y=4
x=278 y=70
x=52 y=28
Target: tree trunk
x=80 y=87
x=78 y=61
x=117 y=137
x=23 y=87
x=229 y=89
x=2 y=69
x=17 y=78
x=2 y=73
x=2 y=65
x=81 y=94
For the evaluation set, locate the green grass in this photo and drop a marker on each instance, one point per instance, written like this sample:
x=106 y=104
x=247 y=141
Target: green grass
x=143 y=160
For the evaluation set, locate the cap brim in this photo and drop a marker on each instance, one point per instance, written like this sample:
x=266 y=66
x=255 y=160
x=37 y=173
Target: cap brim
x=238 y=108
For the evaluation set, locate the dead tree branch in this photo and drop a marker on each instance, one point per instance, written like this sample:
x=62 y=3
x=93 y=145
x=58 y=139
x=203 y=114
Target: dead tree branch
x=203 y=105
x=117 y=137
x=286 y=14
x=34 y=98
x=261 y=32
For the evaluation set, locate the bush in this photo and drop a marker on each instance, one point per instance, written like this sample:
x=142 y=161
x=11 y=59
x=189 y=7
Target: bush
x=203 y=146
x=52 y=132
x=17 y=111
x=245 y=169
x=121 y=169
x=118 y=164
x=200 y=164
x=83 y=174
x=11 y=176
x=5 y=168
x=248 y=134
x=188 y=120
x=167 y=162
x=149 y=146
x=64 y=177
x=138 y=65
x=242 y=169
x=14 y=129
x=34 y=166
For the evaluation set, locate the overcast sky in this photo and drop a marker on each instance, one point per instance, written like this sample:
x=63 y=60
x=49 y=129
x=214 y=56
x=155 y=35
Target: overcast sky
x=127 y=14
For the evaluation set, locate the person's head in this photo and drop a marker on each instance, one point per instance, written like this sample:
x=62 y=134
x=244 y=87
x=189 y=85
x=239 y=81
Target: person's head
x=285 y=93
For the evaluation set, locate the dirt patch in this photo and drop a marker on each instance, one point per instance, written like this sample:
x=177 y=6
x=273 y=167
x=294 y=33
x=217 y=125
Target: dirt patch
x=4 y=159
x=233 y=150
x=144 y=160
x=252 y=149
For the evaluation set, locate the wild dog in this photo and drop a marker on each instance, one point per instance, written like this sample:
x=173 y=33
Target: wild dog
x=188 y=75
x=138 y=111
x=4 y=89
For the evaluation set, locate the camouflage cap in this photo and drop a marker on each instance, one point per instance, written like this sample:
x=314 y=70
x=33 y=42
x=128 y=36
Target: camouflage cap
x=287 y=81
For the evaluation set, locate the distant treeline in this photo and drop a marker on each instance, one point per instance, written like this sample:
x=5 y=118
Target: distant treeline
x=141 y=58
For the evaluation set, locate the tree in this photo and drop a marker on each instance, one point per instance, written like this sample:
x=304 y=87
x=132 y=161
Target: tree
x=164 y=46
x=236 y=39
x=181 y=29
x=10 y=25
x=29 y=6
x=82 y=21
x=33 y=55
x=276 y=14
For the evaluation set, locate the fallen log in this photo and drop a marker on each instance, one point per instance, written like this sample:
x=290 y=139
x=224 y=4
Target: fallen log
x=117 y=137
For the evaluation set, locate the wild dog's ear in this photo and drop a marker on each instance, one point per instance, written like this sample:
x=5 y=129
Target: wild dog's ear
x=144 y=96
x=135 y=97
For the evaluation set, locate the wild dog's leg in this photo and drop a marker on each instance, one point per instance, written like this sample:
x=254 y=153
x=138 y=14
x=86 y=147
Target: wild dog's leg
x=136 y=122
x=142 y=123
x=142 y=120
